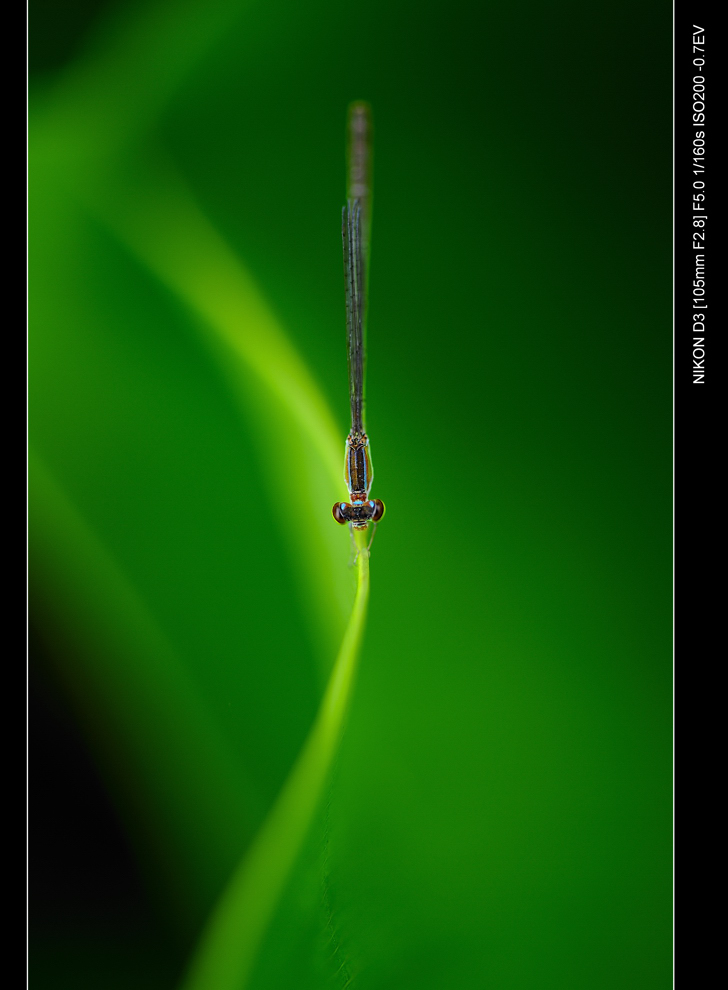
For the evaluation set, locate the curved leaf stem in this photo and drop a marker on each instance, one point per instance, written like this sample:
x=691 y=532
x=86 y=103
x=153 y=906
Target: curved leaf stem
x=229 y=944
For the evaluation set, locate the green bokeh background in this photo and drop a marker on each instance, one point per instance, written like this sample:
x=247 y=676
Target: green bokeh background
x=500 y=811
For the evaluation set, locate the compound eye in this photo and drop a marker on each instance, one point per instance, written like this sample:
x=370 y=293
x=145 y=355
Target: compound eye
x=378 y=509
x=338 y=511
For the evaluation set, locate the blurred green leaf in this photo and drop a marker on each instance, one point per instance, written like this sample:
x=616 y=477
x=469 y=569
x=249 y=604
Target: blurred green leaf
x=232 y=938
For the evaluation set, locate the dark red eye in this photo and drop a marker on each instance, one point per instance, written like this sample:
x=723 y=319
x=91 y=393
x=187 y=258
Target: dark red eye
x=378 y=510
x=338 y=512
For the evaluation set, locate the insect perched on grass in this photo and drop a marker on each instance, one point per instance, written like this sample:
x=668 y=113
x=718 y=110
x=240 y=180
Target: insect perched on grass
x=360 y=511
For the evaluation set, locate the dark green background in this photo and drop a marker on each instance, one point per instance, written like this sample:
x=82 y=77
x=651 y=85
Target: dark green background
x=500 y=814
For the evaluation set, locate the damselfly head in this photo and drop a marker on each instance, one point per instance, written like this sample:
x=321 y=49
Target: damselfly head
x=359 y=514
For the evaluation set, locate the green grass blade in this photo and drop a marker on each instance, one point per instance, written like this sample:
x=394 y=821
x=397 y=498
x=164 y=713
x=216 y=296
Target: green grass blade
x=301 y=446
x=83 y=147
x=164 y=227
x=229 y=945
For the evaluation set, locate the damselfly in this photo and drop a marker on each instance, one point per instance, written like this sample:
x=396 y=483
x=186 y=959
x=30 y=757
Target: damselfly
x=358 y=472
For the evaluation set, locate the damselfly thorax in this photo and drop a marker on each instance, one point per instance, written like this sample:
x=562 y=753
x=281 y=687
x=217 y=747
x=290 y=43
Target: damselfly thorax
x=358 y=472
